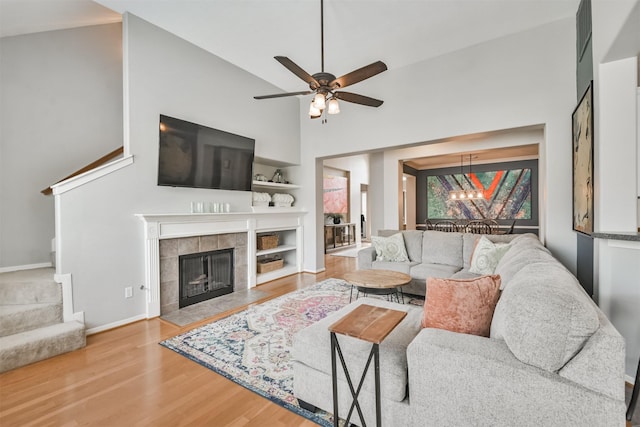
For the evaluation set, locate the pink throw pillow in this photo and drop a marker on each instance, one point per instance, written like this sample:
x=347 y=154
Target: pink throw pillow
x=461 y=305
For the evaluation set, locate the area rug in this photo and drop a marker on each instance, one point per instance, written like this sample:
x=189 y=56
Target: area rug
x=253 y=347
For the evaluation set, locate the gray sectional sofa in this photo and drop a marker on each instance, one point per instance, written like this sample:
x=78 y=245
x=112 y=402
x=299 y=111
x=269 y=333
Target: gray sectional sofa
x=552 y=358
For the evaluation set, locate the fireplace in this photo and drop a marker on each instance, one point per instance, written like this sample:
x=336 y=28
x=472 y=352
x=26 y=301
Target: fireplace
x=205 y=275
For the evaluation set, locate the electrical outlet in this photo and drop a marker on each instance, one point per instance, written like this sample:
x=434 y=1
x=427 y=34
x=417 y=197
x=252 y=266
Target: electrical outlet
x=128 y=292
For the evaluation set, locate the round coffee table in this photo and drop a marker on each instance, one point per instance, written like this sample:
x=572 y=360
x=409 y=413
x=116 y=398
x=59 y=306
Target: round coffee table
x=377 y=282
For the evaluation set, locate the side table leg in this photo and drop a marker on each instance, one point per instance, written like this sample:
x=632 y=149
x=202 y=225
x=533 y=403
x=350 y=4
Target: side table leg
x=376 y=366
x=634 y=395
x=334 y=379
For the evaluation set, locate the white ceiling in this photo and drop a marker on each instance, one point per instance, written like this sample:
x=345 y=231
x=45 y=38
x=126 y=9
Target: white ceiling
x=249 y=33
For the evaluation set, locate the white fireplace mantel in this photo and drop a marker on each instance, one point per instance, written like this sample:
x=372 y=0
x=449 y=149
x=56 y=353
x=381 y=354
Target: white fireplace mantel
x=171 y=226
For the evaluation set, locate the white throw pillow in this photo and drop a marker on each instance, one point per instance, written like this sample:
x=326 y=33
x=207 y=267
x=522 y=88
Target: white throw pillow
x=486 y=256
x=390 y=248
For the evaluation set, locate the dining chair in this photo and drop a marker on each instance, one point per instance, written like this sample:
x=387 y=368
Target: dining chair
x=478 y=227
x=446 y=226
x=495 y=227
x=510 y=230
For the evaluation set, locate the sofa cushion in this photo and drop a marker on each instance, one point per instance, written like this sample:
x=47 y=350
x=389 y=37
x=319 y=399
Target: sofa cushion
x=402 y=267
x=464 y=274
x=390 y=248
x=465 y=305
x=413 y=244
x=312 y=346
x=486 y=256
x=522 y=253
x=544 y=316
x=422 y=271
x=442 y=248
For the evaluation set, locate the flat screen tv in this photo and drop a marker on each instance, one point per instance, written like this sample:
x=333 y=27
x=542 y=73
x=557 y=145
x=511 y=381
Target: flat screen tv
x=193 y=155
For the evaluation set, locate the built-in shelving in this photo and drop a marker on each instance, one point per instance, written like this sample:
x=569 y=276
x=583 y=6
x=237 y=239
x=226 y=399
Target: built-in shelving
x=274 y=185
x=279 y=249
x=289 y=249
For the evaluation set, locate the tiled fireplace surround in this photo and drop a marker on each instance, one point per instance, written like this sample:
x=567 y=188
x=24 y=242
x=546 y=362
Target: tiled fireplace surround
x=184 y=233
x=171 y=249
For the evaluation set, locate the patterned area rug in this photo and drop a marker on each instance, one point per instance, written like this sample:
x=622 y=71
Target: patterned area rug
x=253 y=347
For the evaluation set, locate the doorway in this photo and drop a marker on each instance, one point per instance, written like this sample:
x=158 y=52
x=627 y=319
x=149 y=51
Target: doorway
x=365 y=214
x=408 y=219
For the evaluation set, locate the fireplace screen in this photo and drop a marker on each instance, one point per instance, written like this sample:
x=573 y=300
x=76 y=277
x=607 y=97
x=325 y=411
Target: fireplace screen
x=205 y=275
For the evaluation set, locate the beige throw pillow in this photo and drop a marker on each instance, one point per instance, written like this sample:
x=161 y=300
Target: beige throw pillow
x=390 y=248
x=486 y=256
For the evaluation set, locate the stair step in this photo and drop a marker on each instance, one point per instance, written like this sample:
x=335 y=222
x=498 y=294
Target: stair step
x=29 y=287
x=30 y=292
x=39 y=344
x=25 y=317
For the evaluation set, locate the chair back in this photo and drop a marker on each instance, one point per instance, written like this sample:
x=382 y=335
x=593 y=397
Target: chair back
x=495 y=227
x=510 y=230
x=446 y=226
x=478 y=227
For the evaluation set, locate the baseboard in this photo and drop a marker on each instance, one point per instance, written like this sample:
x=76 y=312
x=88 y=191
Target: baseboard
x=117 y=324
x=314 y=271
x=67 y=296
x=629 y=380
x=78 y=317
x=25 y=267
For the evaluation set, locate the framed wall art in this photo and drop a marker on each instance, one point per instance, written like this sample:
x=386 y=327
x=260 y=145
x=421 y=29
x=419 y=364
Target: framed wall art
x=336 y=194
x=507 y=195
x=582 y=130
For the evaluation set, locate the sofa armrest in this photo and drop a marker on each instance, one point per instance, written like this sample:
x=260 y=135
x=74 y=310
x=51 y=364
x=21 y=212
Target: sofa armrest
x=366 y=257
x=458 y=379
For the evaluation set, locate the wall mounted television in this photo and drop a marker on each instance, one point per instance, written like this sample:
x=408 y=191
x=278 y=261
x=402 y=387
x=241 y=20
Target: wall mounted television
x=192 y=155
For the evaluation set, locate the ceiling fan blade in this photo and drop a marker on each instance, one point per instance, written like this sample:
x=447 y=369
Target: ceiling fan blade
x=280 y=95
x=358 y=99
x=359 y=74
x=295 y=69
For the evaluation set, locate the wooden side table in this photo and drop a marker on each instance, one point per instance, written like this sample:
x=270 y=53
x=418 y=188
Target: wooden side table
x=371 y=324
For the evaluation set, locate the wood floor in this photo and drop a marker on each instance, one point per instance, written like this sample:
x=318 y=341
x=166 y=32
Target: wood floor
x=124 y=378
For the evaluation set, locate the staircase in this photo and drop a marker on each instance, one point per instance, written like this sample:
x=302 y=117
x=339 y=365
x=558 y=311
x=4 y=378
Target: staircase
x=31 y=321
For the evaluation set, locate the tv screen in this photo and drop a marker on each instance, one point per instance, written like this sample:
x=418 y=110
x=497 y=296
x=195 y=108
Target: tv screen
x=192 y=155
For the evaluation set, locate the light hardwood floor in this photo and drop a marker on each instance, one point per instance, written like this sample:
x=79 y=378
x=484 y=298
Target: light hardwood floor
x=125 y=378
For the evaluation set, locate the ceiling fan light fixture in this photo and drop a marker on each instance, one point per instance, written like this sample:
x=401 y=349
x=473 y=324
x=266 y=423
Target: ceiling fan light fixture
x=314 y=112
x=323 y=84
x=319 y=101
x=334 y=107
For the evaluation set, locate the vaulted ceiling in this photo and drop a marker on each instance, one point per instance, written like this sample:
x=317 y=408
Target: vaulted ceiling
x=249 y=33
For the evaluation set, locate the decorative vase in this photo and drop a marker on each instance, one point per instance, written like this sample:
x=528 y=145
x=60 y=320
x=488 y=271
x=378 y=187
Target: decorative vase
x=277 y=177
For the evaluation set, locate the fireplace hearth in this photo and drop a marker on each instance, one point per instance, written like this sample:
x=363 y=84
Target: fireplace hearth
x=205 y=275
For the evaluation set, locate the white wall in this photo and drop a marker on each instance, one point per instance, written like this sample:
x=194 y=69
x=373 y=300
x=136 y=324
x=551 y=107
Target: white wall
x=515 y=81
x=61 y=109
x=102 y=242
x=616 y=43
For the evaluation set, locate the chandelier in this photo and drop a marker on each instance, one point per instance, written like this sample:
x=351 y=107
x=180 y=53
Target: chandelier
x=465 y=194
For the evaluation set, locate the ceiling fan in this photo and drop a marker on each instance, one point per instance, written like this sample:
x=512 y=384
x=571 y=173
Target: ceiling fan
x=326 y=85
